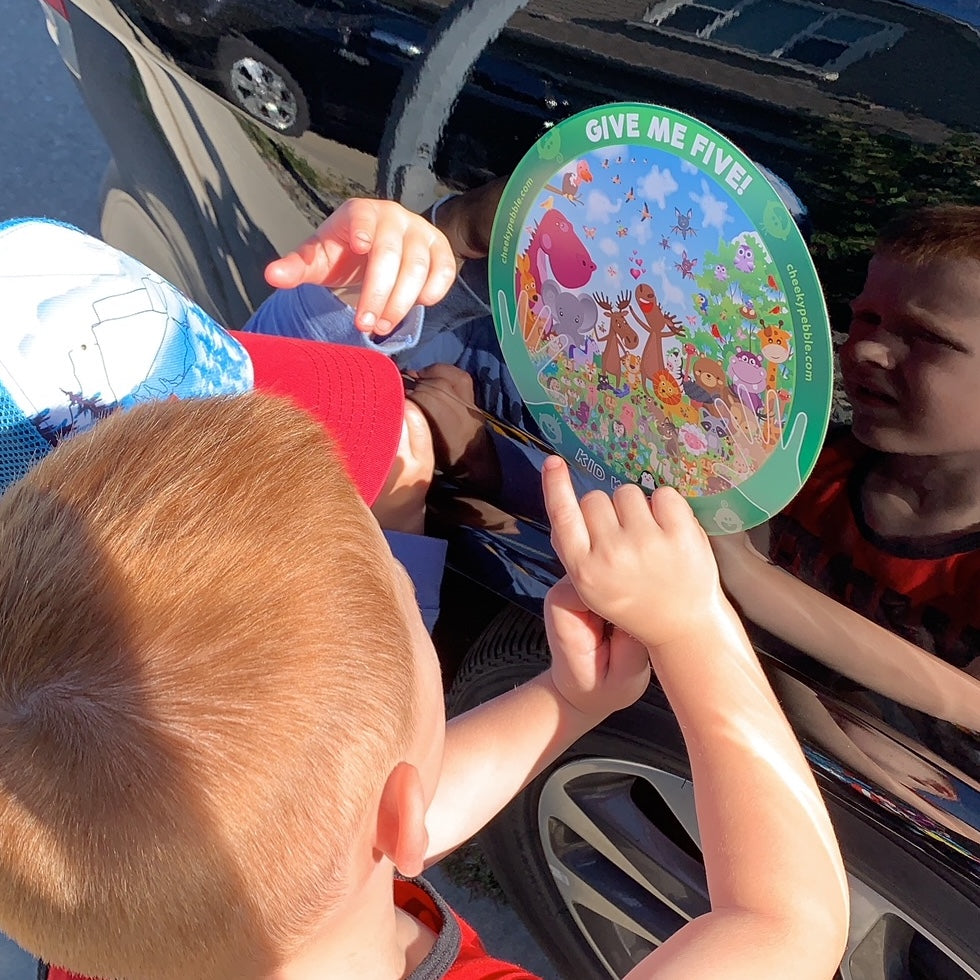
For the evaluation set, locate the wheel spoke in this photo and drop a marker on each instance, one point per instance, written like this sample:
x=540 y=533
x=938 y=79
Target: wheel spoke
x=606 y=854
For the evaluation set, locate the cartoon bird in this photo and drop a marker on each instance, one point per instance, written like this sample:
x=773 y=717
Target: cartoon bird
x=630 y=196
x=645 y=214
x=605 y=164
x=721 y=273
x=744 y=258
x=701 y=303
x=617 y=179
x=572 y=181
x=665 y=243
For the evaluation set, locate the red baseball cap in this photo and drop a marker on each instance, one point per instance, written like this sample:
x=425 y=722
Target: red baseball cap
x=355 y=393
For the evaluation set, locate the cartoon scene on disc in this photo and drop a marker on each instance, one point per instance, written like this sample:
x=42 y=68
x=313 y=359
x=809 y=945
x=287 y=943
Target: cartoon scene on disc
x=660 y=313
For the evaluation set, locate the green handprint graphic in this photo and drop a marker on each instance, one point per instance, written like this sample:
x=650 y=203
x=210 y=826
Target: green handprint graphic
x=768 y=491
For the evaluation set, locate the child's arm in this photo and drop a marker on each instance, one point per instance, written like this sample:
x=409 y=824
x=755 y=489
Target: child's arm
x=392 y=257
x=495 y=749
x=775 y=878
x=842 y=638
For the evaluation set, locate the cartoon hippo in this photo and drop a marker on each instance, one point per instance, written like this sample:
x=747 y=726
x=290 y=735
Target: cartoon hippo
x=748 y=378
x=554 y=244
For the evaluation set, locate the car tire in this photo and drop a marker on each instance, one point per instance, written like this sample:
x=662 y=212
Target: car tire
x=264 y=88
x=599 y=854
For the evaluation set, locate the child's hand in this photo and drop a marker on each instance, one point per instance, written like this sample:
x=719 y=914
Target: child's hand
x=598 y=669
x=401 y=504
x=645 y=566
x=463 y=448
x=396 y=259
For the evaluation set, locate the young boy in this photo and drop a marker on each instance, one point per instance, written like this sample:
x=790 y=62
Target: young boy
x=889 y=521
x=221 y=738
x=220 y=716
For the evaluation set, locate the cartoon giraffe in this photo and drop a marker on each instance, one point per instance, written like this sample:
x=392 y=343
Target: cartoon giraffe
x=528 y=304
x=620 y=338
x=775 y=350
x=658 y=325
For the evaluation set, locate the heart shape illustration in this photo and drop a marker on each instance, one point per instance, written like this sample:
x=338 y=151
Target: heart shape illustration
x=636 y=273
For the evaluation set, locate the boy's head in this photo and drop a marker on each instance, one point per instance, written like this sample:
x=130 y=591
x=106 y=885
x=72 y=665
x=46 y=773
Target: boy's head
x=911 y=362
x=206 y=677
x=209 y=660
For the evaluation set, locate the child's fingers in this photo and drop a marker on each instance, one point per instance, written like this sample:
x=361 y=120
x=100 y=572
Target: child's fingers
x=351 y=227
x=456 y=380
x=442 y=269
x=425 y=273
x=569 y=533
x=419 y=438
x=632 y=507
x=671 y=511
x=285 y=272
x=311 y=262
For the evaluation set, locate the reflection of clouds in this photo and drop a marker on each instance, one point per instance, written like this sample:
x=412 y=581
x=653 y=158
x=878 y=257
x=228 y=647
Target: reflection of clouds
x=598 y=207
x=668 y=291
x=688 y=168
x=714 y=211
x=658 y=185
x=641 y=231
x=609 y=247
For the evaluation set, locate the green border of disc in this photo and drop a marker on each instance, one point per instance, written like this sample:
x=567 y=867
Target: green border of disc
x=779 y=478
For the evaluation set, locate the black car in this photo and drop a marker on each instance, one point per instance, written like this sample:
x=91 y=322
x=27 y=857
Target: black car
x=235 y=126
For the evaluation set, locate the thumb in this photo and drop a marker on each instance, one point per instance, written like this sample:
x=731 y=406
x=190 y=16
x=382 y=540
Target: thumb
x=286 y=272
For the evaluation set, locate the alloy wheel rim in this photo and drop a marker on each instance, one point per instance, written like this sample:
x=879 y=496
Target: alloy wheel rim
x=627 y=882
x=263 y=93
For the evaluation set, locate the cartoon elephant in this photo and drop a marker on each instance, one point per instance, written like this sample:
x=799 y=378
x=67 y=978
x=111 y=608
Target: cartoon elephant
x=572 y=316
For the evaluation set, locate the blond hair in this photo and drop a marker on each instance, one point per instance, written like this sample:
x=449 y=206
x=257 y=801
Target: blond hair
x=205 y=678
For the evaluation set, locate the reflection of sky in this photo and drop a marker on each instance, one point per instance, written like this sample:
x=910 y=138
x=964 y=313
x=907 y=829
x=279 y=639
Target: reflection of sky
x=639 y=239
x=965 y=10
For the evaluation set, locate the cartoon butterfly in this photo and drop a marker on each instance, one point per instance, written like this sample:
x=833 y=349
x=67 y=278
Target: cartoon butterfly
x=630 y=196
x=589 y=232
x=645 y=213
x=622 y=231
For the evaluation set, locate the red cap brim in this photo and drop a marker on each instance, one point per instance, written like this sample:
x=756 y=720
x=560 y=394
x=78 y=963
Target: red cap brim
x=356 y=394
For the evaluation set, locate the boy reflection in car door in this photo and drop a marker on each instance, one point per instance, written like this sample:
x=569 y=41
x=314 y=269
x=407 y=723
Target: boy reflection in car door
x=889 y=521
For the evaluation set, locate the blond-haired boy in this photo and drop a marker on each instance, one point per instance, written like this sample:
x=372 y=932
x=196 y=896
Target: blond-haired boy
x=221 y=724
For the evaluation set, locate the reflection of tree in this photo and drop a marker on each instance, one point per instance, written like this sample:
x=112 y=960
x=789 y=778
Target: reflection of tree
x=857 y=179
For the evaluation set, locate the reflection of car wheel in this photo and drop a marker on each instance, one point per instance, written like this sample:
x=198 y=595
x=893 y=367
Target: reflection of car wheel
x=600 y=854
x=262 y=87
